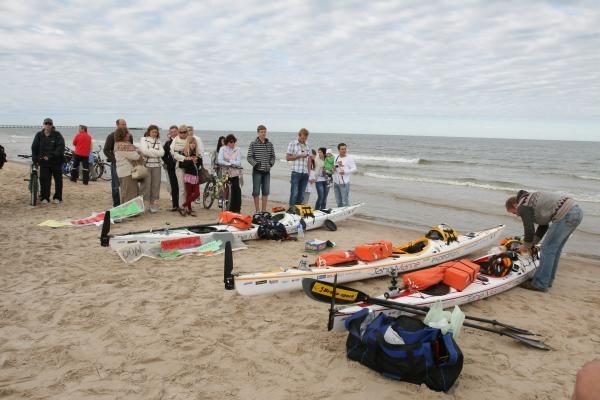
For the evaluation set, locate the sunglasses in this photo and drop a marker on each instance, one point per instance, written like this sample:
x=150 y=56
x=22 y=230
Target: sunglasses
x=183 y=132
x=47 y=123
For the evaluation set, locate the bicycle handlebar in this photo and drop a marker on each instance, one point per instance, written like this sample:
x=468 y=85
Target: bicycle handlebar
x=24 y=155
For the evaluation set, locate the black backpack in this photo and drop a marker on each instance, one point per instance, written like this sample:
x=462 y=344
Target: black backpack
x=427 y=356
x=2 y=156
x=268 y=228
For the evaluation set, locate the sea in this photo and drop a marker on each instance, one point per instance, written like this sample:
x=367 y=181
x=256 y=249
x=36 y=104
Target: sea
x=419 y=181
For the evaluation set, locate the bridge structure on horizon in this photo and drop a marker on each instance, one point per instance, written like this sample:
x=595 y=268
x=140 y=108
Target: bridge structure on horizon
x=61 y=126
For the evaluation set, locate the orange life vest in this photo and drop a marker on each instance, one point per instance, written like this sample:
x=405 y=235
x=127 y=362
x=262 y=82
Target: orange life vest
x=374 y=251
x=234 y=219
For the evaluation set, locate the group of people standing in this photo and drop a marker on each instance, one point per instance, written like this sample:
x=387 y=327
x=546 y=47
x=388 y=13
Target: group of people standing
x=321 y=169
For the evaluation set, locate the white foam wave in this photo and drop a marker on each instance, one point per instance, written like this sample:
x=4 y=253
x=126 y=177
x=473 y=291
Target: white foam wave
x=583 y=197
x=20 y=137
x=588 y=177
x=381 y=159
x=441 y=181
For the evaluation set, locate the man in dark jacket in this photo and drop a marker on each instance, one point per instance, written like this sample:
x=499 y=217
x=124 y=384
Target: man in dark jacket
x=109 y=146
x=261 y=155
x=557 y=216
x=47 y=150
x=170 y=164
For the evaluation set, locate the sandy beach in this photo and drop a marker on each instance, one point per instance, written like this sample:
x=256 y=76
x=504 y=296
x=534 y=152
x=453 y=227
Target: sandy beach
x=78 y=323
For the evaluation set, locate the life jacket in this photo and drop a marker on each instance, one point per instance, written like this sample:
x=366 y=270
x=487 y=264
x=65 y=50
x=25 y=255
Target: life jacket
x=499 y=265
x=302 y=210
x=442 y=232
x=335 y=258
x=234 y=219
x=278 y=209
x=422 y=279
x=405 y=349
x=373 y=251
x=460 y=273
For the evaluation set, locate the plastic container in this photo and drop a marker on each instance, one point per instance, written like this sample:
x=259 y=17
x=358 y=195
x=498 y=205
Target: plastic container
x=300 y=231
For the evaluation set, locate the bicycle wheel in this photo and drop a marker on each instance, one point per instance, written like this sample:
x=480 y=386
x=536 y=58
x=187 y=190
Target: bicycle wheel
x=208 y=196
x=226 y=196
x=33 y=189
x=66 y=168
x=97 y=171
x=106 y=172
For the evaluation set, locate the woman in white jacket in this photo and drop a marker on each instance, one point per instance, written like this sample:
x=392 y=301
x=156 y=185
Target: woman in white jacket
x=152 y=151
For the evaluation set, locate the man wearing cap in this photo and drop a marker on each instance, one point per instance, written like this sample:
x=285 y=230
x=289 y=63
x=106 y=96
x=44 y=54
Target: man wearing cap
x=109 y=147
x=47 y=150
x=81 y=154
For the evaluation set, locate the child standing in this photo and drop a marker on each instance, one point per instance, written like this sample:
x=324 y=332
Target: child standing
x=191 y=165
x=328 y=166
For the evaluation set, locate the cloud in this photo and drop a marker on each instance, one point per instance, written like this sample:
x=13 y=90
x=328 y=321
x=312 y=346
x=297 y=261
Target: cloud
x=335 y=64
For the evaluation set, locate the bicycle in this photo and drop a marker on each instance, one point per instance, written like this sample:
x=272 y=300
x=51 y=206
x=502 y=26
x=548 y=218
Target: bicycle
x=217 y=188
x=34 y=182
x=100 y=168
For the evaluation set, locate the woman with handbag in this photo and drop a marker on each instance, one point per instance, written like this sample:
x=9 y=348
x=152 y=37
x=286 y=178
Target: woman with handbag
x=126 y=156
x=192 y=163
x=230 y=160
x=152 y=151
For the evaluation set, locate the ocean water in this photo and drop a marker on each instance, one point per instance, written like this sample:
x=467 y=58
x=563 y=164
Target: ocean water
x=416 y=181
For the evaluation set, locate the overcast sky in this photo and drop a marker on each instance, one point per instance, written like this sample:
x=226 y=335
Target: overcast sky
x=462 y=68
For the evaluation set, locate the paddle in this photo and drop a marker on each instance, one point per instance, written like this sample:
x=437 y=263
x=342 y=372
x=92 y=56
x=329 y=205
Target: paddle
x=323 y=291
x=104 y=239
x=228 y=268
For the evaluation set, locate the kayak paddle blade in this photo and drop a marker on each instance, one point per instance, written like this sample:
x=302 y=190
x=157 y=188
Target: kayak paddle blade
x=323 y=291
x=228 y=268
x=330 y=225
x=332 y=310
x=104 y=239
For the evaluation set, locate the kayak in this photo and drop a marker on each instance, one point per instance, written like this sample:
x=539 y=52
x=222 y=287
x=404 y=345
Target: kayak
x=421 y=253
x=290 y=221
x=522 y=270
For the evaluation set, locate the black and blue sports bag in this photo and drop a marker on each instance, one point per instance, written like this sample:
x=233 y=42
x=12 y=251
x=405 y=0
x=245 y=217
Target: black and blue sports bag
x=426 y=355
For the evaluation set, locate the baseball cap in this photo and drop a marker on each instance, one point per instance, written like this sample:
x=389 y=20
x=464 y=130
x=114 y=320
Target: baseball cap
x=329 y=151
x=48 y=121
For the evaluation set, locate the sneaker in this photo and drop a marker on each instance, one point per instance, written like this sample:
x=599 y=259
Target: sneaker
x=44 y=201
x=530 y=286
x=56 y=201
x=153 y=209
x=220 y=203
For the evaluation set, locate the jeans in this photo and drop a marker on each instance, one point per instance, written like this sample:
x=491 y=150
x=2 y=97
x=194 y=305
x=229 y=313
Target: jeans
x=115 y=185
x=261 y=181
x=555 y=239
x=298 y=186
x=342 y=194
x=322 y=192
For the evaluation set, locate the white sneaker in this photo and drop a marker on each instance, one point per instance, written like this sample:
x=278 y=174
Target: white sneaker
x=56 y=201
x=153 y=209
x=44 y=201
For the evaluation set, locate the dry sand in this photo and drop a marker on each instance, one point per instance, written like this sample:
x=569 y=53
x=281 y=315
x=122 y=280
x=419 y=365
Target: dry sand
x=77 y=323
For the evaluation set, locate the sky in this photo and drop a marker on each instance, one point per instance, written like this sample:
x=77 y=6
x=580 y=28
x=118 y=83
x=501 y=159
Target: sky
x=519 y=69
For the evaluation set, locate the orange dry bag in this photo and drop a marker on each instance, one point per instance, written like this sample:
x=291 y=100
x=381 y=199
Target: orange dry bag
x=234 y=219
x=334 y=258
x=373 y=251
x=421 y=280
x=460 y=274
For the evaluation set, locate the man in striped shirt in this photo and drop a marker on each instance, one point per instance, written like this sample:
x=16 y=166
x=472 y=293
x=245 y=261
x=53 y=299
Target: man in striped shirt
x=261 y=155
x=298 y=152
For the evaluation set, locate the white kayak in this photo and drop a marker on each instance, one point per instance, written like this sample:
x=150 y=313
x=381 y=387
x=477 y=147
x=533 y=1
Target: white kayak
x=290 y=221
x=522 y=270
x=418 y=254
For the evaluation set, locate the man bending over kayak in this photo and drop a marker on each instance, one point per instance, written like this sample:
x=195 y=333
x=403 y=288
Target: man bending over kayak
x=557 y=216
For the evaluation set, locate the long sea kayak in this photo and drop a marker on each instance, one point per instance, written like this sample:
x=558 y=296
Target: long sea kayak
x=522 y=270
x=421 y=253
x=290 y=221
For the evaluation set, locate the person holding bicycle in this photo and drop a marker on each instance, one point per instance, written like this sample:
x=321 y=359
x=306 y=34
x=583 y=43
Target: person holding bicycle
x=230 y=159
x=47 y=151
x=81 y=154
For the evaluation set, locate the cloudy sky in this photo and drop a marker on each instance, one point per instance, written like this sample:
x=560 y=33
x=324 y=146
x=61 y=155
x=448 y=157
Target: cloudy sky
x=462 y=68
